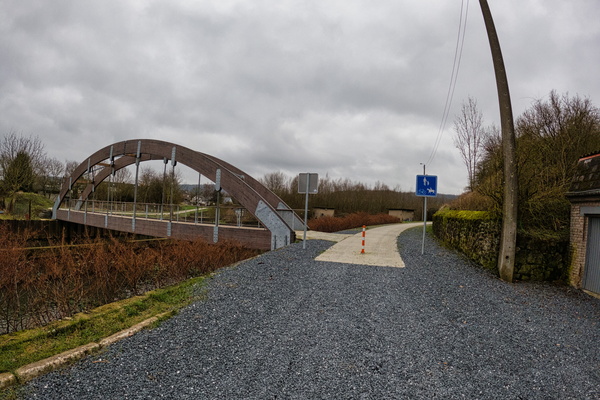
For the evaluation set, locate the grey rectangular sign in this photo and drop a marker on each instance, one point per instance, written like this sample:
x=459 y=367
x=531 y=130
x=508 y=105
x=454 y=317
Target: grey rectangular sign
x=313 y=183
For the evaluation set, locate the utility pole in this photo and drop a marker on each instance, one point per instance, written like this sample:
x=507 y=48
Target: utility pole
x=508 y=239
x=424 y=217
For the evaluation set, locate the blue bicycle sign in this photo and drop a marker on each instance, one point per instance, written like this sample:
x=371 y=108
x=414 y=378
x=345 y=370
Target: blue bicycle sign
x=426 y=185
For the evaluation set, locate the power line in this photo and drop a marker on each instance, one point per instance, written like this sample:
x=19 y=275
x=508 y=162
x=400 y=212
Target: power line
x=460 y=40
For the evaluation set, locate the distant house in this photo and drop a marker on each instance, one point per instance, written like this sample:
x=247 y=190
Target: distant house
x=199 y=200
x=584 y=195
x=404 y=214
x=319 y=212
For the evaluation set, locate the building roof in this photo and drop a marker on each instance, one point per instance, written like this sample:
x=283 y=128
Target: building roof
x=586 y=181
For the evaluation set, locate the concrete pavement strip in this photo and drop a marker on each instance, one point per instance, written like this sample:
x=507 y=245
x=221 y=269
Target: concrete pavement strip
x=381 y=248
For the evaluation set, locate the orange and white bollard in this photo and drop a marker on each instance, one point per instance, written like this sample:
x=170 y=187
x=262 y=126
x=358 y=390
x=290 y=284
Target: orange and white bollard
x=363 y=240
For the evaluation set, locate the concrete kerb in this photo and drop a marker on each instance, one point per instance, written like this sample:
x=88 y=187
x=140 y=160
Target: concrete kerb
x=7 y=379
x=30 y=371
x=125 y=333
x=33 y=370
x=316 y=235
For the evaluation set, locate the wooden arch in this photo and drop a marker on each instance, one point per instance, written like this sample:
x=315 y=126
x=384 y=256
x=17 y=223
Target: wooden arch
x=267 y=207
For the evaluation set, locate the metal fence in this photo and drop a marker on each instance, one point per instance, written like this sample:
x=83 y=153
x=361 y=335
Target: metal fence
x=228 y=215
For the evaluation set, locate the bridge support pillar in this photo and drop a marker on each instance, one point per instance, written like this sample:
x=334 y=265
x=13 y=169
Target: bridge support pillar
x=280 y=232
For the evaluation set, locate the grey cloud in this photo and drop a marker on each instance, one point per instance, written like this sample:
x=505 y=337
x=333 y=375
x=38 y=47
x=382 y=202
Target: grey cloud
x=353 y=88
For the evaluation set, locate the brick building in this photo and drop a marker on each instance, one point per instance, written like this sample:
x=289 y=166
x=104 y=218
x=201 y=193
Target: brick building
x=405 y=215
x=584 y=195
x=319 y=212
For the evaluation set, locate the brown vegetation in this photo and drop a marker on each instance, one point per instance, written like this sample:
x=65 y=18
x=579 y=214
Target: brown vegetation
x=39 y=286
x=336 y=224
x=345 y=196
x=551 y=136
x=474 y=201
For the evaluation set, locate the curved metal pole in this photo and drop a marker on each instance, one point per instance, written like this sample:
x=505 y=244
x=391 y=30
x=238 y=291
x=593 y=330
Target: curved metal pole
x=508 y=240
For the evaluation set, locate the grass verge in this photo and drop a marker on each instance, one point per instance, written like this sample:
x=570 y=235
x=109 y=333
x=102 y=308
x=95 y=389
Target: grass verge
x=25 y=203
x=25 y=347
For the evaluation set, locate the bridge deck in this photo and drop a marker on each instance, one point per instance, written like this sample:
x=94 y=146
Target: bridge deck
x=257 y=238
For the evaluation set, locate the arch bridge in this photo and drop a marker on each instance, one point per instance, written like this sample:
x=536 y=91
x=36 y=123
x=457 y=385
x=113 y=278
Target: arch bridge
x=276 y=221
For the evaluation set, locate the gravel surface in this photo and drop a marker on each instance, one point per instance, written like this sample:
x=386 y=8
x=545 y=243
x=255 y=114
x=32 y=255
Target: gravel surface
x=283 y=326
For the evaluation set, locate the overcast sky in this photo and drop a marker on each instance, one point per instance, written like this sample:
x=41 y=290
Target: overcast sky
x=353 y=89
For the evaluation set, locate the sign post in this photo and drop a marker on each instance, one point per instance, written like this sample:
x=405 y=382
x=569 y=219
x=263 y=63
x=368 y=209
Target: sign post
x=426 y=187
x=307 y=183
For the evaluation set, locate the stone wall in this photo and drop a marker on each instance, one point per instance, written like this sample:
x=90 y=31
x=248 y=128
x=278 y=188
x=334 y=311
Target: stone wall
x=474 y=233
x=541 y=258
x=477 y=235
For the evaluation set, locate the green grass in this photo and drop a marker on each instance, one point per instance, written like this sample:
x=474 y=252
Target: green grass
x=38 y=202
x=466 y=215
x=25 y=347
x=184 y=207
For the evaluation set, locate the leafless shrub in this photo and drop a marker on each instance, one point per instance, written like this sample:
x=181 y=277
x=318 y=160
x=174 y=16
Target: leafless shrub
x=336 y=224
x=45 y=285
x=473 y=201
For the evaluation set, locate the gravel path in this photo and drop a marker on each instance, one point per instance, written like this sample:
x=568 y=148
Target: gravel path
x=283 y=326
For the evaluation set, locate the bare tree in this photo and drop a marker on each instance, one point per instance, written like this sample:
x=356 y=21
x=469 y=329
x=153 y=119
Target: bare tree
x=552 y=134
x=470 y=136
x=21 y=160
x=380 y=186
x=55 y=170
x=277 y=182
x=69 y=168
x=560 y=129
x=488 y=176
x=50 y=176
x=14 y=144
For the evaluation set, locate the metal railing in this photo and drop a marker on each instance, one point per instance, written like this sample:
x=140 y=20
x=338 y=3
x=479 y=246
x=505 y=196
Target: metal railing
x=228 y=215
